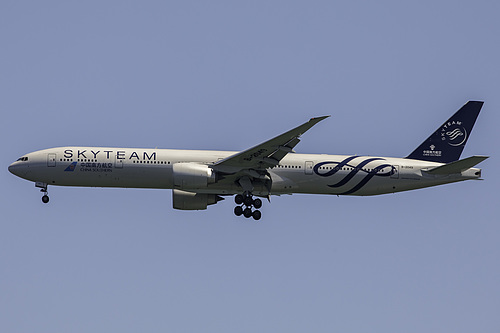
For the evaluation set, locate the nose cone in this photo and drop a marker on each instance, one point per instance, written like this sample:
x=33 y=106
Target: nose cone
x=18 y=169
x=12 y=169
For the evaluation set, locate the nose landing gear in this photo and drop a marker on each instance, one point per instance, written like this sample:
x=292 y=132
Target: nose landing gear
x=247 y=201
x=43 y=186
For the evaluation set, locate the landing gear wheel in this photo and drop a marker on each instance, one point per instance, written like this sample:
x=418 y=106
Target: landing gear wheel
x=246 y=205
x=238 y=199
x=45 y=198
x=247 y=212
x=257 y=203
x=238 y=210
x=248 y=201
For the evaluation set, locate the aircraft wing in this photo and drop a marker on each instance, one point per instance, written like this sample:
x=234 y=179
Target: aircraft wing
x=267 y=154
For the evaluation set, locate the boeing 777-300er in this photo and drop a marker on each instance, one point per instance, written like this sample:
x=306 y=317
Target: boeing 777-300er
x=200 y=178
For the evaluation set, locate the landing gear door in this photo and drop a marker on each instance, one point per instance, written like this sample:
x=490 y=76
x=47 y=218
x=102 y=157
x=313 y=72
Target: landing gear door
x=308 y=167
x=395 y=172
x=51 y=160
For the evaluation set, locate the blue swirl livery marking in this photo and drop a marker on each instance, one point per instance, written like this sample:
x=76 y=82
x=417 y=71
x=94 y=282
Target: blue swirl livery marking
x=355 y=170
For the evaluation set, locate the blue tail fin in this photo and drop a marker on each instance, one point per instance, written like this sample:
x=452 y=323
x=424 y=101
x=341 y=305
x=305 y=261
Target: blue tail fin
x=446 y=144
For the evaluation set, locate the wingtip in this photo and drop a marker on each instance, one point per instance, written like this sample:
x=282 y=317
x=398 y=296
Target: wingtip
x=319 y=118
x=479 y=103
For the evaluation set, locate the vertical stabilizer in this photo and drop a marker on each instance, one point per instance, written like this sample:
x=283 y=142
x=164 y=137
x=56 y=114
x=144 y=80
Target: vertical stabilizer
x=446 y=144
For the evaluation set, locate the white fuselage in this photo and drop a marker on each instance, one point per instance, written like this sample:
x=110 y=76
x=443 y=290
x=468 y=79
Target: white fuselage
x=296 y=173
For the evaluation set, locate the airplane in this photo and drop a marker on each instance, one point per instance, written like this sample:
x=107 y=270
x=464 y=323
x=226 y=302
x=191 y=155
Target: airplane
x=199 y=178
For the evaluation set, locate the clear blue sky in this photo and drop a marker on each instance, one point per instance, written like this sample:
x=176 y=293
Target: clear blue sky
x=228 y=75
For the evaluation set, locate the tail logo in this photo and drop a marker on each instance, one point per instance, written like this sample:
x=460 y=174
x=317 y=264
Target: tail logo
x=454 y=133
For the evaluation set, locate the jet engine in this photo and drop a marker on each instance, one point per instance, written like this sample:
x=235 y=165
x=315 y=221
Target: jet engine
x=192 y=176
x=193 y=201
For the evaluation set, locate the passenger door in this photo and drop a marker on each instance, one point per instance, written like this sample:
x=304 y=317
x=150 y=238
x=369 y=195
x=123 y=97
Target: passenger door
x=51 y=160
x=118 y=163
x=308 y=167
x=395 y=172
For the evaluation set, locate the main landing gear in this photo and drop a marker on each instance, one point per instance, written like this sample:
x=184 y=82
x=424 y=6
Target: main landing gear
x=245 y=203
x=43 y=186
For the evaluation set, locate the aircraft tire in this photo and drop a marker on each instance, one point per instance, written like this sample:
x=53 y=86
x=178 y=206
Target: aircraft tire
x=238 y=210
x=247 y=212
x=257 y=215
x=238 y=199
x=45 y=199
x=248 y=201
x=257 y=203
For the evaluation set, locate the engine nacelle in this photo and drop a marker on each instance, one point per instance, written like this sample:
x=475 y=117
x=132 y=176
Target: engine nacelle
x=191 y=176
x=193 y=201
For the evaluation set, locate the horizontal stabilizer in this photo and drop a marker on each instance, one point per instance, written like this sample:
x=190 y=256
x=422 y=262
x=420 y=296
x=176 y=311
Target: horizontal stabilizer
x=457 y=166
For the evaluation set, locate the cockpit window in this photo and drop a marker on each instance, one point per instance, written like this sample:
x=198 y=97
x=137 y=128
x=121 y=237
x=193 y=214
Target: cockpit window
x=25 y=158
